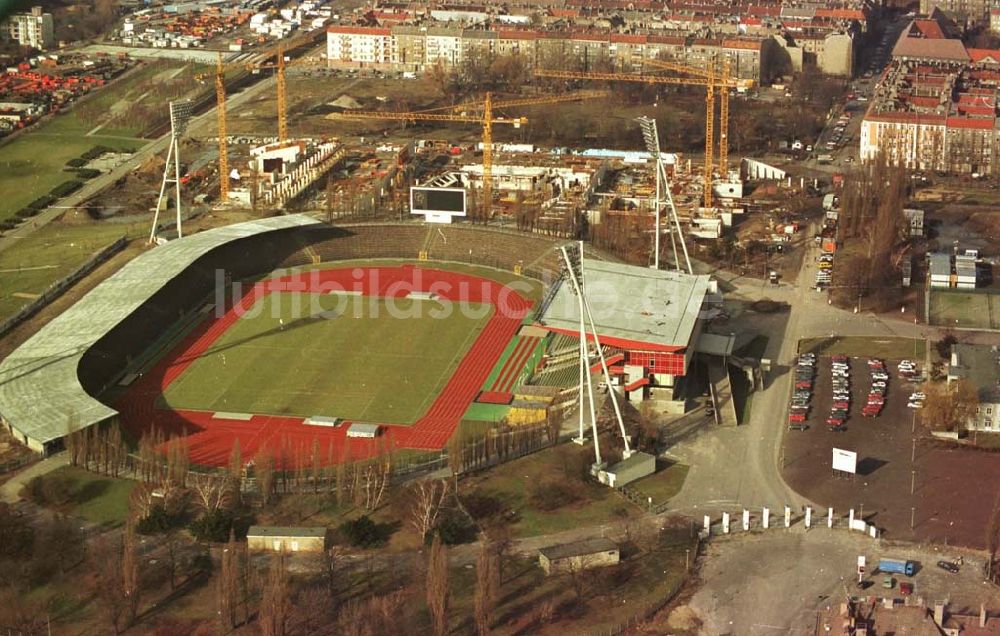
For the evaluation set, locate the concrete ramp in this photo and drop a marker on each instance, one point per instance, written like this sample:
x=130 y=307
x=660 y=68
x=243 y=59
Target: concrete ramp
x=722 y=392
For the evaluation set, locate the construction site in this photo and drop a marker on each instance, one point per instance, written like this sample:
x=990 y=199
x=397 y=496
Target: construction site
x=351 y=148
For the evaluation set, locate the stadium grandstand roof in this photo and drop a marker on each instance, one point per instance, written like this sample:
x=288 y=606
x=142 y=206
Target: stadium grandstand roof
x=633 y=307
x=40 y=392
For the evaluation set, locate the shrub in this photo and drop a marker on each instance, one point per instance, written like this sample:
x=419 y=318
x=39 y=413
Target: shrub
x=95 y=152
x=551 y=494
x=43 y=201
x=50 y=490
x=8 y=224
x=481 y=506
x=159 y=520
x=77 y=162
x=363 y=532
x=213 y=526
x=87 y=173
x=25 y=213
x=66 y=188
x=455 y=527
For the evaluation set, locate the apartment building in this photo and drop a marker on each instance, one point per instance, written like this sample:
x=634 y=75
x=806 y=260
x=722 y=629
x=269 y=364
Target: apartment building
x=412 y=48
x=936 y=106
x=35 y=29
x=965 y=12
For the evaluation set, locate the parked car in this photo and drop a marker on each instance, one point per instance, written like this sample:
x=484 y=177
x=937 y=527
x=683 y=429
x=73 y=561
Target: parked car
x=798 y=427
x=948 y=566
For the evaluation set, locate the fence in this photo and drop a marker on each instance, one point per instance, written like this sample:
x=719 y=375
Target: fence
x=641 y=500
x=650 y=609
x=57 y=288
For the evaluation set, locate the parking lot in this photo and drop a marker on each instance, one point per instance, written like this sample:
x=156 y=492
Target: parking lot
x=889 y=461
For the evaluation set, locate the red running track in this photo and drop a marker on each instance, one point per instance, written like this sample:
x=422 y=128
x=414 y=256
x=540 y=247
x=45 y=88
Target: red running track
x=211 y=440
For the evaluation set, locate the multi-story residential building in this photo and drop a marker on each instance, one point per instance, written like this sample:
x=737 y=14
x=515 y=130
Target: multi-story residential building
x=967 y=12
x=413 y=48
x=35 y=29
x=936 y=106
x=979 y=365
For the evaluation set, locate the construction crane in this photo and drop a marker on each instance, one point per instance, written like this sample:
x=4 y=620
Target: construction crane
x=487 y=119
x=711 y=78
x=220 y=97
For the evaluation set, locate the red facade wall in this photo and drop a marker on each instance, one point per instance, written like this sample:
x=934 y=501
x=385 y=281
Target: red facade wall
x=657 y=361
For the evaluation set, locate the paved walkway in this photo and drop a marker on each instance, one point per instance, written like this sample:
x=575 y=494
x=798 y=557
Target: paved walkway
x=10 y=489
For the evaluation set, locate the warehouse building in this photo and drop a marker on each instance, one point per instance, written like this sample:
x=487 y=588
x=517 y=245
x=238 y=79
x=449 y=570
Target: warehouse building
x=980 y=365
x=285 y=539
x=577 y=556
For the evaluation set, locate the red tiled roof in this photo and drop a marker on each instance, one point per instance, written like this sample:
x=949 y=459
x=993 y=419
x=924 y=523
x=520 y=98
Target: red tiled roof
x=746 y=45
x=963 y=122
x=357 y=30
x=841 y=14
x=988 y=55
x=630 y=39
x=930 y=29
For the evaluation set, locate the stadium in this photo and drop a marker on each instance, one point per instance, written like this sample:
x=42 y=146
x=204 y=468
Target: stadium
x=289 y=334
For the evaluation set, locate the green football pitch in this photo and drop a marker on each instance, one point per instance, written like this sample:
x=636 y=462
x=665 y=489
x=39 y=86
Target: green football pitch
x=363 y=362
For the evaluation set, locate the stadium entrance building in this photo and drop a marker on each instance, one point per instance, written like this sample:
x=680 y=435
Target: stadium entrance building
x=653 y=318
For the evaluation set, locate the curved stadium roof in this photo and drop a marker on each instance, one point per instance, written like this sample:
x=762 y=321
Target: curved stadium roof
x=39 y=388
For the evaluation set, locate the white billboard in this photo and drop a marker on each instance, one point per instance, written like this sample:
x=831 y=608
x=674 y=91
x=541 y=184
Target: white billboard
x=844 y=460
x=437 y=205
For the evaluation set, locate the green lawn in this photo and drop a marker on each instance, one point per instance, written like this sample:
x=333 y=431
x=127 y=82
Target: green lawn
x=48 y=254
x=97 y=499
x=891 y=347
x=507 y=482
x=285 y=358
x=32 y=164
x=663 y=484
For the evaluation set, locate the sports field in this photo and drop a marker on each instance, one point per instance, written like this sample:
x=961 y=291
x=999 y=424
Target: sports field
x=357 y=357
x=971 y=310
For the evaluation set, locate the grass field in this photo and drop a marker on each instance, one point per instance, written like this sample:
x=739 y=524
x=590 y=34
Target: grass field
x=962 y=309
x=269 y=362
x=97 y=499
x=891 y=347
x=48 y=254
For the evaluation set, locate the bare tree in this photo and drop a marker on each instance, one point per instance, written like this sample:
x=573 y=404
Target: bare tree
x=106 y=563
x=227 y=585
x=993 y=538
x=275 y=605
x=212 y=493
x=949 y=406
x=438 y=586
x=236 y=470
x=264 y=470
x=130 y=573
x=487 y=587
x=375 y=477
x=425 y=498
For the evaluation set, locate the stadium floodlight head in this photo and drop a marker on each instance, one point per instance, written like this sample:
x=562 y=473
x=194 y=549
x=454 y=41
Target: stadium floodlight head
x=649 y=134
x=573 y=264
x=180 y=115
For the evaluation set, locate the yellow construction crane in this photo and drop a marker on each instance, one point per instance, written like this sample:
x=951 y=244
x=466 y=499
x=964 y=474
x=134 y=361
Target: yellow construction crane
x=486 y=119
x=220 y=97
x=711 y=78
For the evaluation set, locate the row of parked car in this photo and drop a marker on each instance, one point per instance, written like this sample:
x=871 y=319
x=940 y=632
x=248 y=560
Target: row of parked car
x=841 y=406
x=877 y=390
x=798 y=409
x=824 y=271
x=909 y=371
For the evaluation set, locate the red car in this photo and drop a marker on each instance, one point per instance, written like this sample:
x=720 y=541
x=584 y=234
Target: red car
x=797 y=417
x=834 y=421
x=841 y=405
x=805 y=384
x=839 y=358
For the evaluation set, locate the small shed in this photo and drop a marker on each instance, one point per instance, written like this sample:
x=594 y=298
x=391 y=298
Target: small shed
x=359 y=429
x=637 y=466
x=580 y=555
x=280 y=538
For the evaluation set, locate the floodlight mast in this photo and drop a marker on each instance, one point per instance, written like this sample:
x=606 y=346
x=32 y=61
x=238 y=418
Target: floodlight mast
x=180 y=115
x=651 y=139
x=574 y=269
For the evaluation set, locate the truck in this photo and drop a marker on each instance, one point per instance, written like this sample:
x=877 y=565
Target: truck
x=896 y=566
